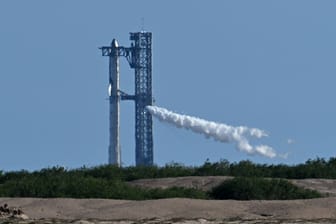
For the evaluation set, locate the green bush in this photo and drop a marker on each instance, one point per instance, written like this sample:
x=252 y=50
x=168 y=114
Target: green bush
x=109 y=181
x=253 y=188
x=316 y=168
x=51 y=183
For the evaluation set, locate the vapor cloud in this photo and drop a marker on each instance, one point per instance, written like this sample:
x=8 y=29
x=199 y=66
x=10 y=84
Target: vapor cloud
x=290 y=141
x=220 y=132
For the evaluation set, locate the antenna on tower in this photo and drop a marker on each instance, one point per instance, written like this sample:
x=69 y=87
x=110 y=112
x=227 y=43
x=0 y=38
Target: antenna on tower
x=142 y=24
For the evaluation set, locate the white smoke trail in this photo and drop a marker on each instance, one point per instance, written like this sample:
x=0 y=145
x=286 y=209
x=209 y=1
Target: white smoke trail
x=217 y=131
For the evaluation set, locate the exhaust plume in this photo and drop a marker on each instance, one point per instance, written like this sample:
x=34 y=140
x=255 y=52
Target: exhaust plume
x=218 y=131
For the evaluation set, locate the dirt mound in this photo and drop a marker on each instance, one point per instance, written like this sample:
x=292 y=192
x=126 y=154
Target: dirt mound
x=201 y=183
x=325 y=186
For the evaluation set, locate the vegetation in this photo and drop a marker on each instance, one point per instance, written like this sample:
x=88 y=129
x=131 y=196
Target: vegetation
x=57 y=182
x=255 y=188
x=109 y=181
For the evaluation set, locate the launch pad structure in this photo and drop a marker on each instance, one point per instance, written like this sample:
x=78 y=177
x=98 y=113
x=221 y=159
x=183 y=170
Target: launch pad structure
x=139 y=57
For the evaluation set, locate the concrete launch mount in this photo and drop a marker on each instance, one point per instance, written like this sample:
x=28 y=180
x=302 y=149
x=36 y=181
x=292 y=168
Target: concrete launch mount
x=139 y=57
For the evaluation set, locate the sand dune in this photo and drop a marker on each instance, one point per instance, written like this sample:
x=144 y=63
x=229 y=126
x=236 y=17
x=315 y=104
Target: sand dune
x=325 y=186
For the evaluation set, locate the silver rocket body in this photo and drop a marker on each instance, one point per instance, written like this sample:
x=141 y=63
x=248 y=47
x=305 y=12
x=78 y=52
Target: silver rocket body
x=114 y=99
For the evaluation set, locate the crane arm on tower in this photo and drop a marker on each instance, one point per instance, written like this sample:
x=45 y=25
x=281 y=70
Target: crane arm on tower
x=125 y=96
x=126 y=52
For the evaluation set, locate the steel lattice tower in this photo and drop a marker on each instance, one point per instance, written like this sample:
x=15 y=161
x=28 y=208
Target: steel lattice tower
x=142 y=58
x=139 y=56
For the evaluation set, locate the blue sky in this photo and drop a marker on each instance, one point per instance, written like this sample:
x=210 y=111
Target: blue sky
x=264 y=64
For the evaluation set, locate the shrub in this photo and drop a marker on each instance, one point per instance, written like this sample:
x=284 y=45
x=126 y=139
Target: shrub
x=253 y=188
x=75 y=185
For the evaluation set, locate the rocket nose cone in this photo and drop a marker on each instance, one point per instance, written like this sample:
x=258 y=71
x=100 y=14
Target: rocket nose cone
x=114 y=43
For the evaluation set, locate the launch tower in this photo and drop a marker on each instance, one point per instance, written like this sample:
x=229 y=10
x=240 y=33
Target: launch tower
x=139 y=57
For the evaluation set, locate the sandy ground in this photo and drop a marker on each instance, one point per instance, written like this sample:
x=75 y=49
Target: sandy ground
x=174 y=209
x=103 y=211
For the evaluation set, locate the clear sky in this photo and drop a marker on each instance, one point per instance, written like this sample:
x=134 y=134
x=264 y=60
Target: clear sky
x=264 y=64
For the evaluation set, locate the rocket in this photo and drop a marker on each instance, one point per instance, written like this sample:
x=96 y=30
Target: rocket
x=114 y=100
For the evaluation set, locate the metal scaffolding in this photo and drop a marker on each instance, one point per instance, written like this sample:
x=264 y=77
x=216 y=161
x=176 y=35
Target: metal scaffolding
x=139 y=57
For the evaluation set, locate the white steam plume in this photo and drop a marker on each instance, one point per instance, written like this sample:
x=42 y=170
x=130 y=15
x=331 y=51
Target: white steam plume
x=217 y=131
